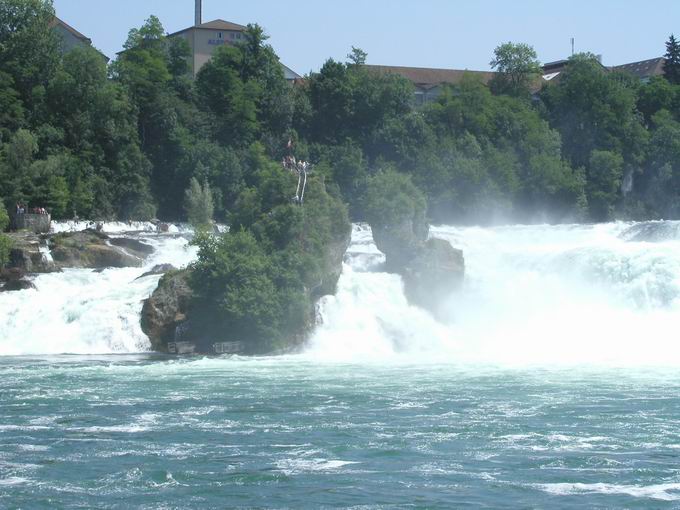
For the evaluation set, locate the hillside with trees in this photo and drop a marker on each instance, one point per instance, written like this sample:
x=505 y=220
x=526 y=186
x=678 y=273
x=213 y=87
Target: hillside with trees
x=127 y=141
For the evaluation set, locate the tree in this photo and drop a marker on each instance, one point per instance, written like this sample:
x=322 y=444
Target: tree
x=4 y=217
x=517 y=66
x=230 y=101
x=604 y=183
x=198 y=204
x=593 y=110
x=28 y=48
x=357 y=56
x=671 y=66
x=5 y=249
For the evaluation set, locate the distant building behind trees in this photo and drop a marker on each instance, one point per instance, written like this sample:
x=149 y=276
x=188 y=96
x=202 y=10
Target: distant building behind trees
x=69 y=37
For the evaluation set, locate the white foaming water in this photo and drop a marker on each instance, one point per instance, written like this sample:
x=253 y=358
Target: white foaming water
x=542 y=295
x=568 y=294
x=85 y=312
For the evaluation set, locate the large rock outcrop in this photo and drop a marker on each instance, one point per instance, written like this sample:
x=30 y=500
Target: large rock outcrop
x=91 y=249
x=166 y=309
x=429 y=278
x=396 y=210
x=28 y=253
x=14 y=279
x=431 y=269
x=86 y=249
x=402 y=241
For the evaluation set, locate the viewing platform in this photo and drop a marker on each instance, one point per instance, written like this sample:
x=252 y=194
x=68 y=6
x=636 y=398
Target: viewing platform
x=38 y=223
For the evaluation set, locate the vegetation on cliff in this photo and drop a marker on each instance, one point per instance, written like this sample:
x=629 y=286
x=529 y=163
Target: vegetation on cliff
x=127 y=141
x=258 y=283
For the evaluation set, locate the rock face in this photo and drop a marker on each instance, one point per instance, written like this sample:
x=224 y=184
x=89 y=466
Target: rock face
x=86 y=249
x=26 y=255
x=91 y=249
x=158 y=269
x=432 y=274
x=169 y=315
x=400 y=242
x=166 y=309
x=14 y=279
x=133 y=245
x=333 y=257
x=431 y=269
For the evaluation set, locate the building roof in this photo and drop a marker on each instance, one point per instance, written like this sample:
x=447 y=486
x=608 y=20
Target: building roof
x=429 y=77
x=57 y=22
x=288 y=73
x=216 y=24
x=643 y=68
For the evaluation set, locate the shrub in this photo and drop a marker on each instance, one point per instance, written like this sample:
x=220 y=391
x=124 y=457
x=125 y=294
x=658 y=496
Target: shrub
x=5 y=248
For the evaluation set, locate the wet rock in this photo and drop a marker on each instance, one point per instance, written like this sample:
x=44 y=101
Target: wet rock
x=15 y=285
x=26 y=254
x=158 y=269
x=166 y=309
x=90 y=249
x=14 y=279
x=652 y=232
x=402 y=241
x=134 y=245
x=433 y=274
x=431 y=269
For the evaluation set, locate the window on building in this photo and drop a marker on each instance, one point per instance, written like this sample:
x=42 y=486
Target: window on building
x=219 y=35
x=232 y=35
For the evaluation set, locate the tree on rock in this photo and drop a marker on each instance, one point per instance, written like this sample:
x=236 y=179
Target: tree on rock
x=395 y=208
x=431 y=268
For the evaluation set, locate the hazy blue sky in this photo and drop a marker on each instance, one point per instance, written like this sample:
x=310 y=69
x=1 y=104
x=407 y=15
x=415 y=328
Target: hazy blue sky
x=425 y=33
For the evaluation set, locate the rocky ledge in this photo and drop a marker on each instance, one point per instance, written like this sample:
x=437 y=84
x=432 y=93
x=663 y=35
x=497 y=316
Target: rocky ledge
x=173 y=322
x=431 y=269
x=86 y=249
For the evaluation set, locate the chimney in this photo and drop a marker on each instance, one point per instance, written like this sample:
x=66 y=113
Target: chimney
x=199 y=14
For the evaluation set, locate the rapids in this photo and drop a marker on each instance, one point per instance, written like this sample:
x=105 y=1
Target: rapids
x=606 y=294
x=570 y=294
x=81 y=311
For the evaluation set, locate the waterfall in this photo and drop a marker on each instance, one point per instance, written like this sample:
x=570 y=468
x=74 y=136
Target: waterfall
x=532 y=295
x=84 y=311
x=574 y=294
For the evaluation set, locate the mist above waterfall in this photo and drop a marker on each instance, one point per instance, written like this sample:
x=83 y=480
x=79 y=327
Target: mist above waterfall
x=533 y=295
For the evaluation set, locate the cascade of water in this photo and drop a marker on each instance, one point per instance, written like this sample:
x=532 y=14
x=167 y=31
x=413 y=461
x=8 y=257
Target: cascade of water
x=83 y=311
x=533 y=294
x=605 y=293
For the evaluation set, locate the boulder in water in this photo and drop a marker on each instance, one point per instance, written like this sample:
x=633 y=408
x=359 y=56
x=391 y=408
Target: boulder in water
x=402 y=241
x=14 y=285
x=26 y=254
x=431 y=276
x=134 y=245
x=158 y=269
x=652 y=232
x=90 y=249
x=15 y=279
x=166 y=309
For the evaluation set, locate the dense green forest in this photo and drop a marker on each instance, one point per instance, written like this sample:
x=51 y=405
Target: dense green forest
x=128 y=139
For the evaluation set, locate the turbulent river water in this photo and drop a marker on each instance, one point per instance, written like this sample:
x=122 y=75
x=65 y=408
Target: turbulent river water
x=553 y=383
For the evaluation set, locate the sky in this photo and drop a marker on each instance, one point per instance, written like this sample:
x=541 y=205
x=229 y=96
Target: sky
x=457 y=34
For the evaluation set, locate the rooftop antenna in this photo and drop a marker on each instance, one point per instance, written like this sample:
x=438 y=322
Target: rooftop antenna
x=572 y=46
x=199 y=14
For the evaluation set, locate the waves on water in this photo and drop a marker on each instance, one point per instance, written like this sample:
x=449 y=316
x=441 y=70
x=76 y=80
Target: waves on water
x=573 y=294
x=83 y=311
